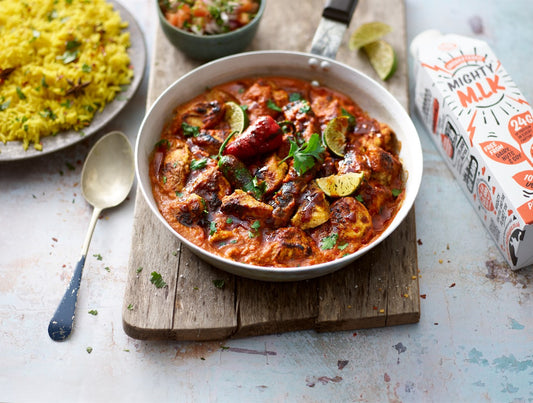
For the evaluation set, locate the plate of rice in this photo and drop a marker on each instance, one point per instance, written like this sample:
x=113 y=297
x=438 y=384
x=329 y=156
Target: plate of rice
x=66 y=69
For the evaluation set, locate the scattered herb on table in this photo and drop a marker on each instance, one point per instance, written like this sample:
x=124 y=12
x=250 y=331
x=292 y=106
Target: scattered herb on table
x=89 y=350
x=219 y=283
x=93 y=312
x=157 y=280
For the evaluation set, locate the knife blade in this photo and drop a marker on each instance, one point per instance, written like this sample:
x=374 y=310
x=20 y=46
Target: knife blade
x=335 y=19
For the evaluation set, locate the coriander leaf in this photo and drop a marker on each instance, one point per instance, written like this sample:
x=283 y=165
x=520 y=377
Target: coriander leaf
x=396 y=192
x=256 y=225
x=359 y=198
x=86 y=68
x=20 y=94
x=93 y=312
x=89 y=350
x=343 y=246
x=329 y=241
x=157 y=280
x=218 y=283
x=189 y=130
x=295 y=96
x=198 y=164
x=351 y=118
x=5 y=105
x=272 y=105
x=212 y=228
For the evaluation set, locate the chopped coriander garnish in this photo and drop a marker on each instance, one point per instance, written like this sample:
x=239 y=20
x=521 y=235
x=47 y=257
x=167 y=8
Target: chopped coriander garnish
x=256 y=225
x=189 y=130
x=351 y=118
x=130 y=307
x=20 y=94
x=229 y=220
x=86 y=68
x=295 y=96
x=157 y=280
x=212 y=228
x=98 y=256
x=139 y=269
x=93 y=312
x=306 y=155
x=329 y=241
x=343 y=246
x=272 y=105
x=396 y=192
x=218 y=283
x=5 y=105
x=89 y=350
x=198 y=164
x=359 y=198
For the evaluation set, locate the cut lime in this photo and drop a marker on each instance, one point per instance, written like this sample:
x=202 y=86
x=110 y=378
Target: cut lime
x=334 y=135
x=368 y=33
x=236 y=117
x=340 y=185
x=382 y=58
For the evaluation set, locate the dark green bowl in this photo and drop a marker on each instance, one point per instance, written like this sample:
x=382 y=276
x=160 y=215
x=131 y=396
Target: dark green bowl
x=209 y=47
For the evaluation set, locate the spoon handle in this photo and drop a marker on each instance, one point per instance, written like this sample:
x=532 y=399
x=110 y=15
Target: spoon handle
x=60 y=326
x=61 y=323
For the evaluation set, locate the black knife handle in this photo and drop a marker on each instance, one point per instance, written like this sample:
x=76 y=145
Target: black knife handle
x=339 y=10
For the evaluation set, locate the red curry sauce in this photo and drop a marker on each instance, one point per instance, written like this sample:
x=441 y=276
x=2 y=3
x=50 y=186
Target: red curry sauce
x=278 y=217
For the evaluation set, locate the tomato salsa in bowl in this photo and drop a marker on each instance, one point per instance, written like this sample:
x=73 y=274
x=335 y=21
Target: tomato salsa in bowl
x=209 y=29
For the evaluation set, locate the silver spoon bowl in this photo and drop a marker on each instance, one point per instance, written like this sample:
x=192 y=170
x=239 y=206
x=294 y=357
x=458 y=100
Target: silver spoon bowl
x=106 y=180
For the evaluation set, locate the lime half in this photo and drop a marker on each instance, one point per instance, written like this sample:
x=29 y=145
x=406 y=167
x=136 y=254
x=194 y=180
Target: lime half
x=340 y=185
x=236 y=117
x=368 y=33
x=334 y=135
x=382 y=57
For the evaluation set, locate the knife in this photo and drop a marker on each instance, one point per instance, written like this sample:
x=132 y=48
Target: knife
x=336 y=17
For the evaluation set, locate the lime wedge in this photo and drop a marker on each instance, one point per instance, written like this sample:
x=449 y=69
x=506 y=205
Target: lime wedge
x=382 y=58
x=340 y=185
x=236 y=117
x=368 y=33
x=334 y=135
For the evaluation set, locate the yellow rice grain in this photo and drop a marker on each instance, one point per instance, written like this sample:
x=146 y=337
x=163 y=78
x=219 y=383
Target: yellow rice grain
x=54 y=45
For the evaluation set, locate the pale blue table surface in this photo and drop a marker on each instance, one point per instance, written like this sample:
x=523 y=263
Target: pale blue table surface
x=474 y=341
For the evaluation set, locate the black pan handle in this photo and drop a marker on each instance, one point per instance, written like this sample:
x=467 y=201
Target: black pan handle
x=339 y=10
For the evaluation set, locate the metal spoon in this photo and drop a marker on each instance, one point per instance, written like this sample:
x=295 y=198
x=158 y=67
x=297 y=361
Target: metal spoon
x=106 y=180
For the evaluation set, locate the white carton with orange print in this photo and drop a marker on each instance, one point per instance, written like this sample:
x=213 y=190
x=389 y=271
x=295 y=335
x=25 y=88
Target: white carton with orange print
x=483 y=126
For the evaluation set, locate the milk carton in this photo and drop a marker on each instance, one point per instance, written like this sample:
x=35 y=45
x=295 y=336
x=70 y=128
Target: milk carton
x=483 y=127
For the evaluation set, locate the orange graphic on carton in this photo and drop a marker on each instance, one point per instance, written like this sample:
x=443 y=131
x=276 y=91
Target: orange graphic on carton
x=484 y=196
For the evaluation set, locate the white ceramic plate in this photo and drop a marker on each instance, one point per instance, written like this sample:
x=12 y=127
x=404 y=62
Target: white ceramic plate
x=371 y=96
x=13 y=150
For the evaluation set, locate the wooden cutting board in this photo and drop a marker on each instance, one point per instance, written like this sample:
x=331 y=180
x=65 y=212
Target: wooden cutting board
x=380 y=289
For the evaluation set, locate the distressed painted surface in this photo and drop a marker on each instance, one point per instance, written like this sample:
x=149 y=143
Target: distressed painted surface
x=474 y=341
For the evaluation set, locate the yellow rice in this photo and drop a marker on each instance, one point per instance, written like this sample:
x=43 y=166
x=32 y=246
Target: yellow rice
x=54 y=45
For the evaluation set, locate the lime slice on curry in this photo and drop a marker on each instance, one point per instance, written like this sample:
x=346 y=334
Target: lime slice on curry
x=236 y=117
x=368 y=33
x=334 y=135
x=382 y=57
x=340 y=185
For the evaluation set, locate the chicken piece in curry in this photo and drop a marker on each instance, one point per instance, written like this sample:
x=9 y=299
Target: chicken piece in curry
x=251 y=195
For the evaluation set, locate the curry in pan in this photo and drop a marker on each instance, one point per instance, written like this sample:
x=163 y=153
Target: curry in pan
x=277 y=171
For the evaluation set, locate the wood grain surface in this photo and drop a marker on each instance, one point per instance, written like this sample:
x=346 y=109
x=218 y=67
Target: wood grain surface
x=380 y=289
